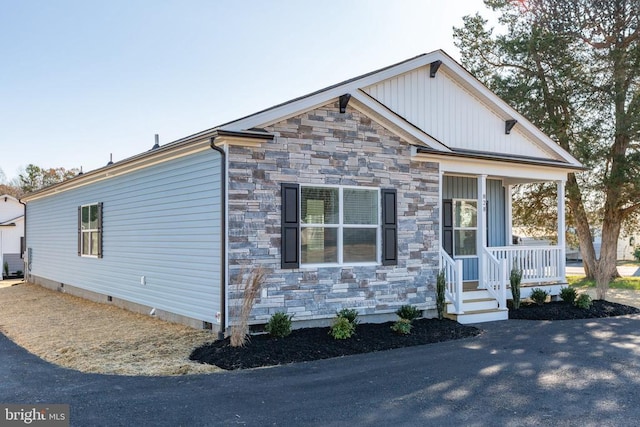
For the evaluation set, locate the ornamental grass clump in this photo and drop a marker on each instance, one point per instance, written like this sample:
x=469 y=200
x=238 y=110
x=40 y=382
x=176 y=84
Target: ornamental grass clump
x=568 y=295
x=539 y=296
x=240 y=330
x=514 y=279
x=279 y=325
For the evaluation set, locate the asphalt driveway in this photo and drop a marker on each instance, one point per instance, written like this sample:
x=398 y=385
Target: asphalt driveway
x=584 y=372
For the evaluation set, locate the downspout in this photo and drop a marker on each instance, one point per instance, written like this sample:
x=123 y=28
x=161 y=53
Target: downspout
x=26 y=265
x=223 y=237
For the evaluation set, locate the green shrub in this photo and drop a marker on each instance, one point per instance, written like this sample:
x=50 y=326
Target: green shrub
x=636 y=253
x=408 y=312
x=5 y=269
x=440 y=294
x=402 y=326
x=342 y=328
x=515 y=278
x=539 y=296
x=583 y=301
x=351 y=314
x=568 y=295
x=279 y=325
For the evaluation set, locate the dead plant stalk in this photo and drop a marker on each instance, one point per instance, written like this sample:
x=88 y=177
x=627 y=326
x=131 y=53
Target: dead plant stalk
x=240 y=330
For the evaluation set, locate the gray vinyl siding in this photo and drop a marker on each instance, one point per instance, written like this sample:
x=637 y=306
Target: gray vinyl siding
x=458 y=187
x=161 y=222
x=495 y=199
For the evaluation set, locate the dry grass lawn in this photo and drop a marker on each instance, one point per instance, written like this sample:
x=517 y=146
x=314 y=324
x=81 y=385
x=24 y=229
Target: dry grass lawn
x=91 y=337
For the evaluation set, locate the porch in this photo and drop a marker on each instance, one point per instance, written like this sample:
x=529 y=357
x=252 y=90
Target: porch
x=478 y=254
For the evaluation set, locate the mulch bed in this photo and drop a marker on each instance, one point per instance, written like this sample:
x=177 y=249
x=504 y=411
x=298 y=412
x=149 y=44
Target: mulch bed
x=316 y=343
x=560 y=310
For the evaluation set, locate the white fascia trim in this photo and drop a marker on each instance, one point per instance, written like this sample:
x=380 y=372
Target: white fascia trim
x=496 y=169
x=293 y=108
x=378 y=108
x=126 y=167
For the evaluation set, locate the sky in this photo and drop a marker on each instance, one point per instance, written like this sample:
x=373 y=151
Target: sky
x=86 y=79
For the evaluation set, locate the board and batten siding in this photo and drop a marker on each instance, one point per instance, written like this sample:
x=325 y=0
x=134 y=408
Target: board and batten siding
x=445 y=110
x=459 y=187
x=161 y=222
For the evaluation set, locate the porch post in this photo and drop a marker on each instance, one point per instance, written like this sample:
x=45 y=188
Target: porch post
x=481 y=219
x=508 y=206
x=562 y=244
x=440 y=216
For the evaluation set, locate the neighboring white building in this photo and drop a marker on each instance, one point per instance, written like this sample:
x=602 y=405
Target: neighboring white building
x=11 y=233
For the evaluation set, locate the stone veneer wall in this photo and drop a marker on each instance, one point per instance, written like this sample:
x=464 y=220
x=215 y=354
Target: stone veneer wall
x=324 y=146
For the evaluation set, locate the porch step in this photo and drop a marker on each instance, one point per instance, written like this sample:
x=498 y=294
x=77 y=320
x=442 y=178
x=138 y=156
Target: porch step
x=475 y=305
x=478 y=306
x=479 y=316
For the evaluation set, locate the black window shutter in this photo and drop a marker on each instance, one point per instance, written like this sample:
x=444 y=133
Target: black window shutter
x=447 y=226
x=389 y=227
x=79 y=230
x=290 y=238
x=99 y=230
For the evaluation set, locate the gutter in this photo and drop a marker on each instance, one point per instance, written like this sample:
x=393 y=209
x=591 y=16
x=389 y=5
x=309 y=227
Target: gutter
x=258 y=134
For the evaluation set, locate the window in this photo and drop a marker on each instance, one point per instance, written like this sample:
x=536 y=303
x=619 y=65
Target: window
x=90 y=230
x=465 y=227
x=339 y=225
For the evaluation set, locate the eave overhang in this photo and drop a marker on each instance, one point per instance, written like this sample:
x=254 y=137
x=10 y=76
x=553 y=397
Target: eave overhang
x=183 y=147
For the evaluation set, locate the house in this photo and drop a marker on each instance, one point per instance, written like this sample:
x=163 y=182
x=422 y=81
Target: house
x=355 y=196
x=11 y=235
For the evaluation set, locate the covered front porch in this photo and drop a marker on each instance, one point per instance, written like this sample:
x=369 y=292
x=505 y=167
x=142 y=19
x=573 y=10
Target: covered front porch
x=478 y=252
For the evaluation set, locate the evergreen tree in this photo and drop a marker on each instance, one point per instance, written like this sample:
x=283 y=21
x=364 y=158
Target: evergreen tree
x=573 y=68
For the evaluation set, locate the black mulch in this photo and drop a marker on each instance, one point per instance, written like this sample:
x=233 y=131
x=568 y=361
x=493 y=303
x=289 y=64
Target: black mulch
x=560 y=310
x=316 y=343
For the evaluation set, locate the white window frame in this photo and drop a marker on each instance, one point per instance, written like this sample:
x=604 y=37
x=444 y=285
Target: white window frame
x=340 y=226
x=458 y=228
x=89 y=231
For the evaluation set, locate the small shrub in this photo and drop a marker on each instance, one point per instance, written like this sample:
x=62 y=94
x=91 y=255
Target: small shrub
x=568 y=295
x=440 y=294
x=402 y=326
x=342 y=328
x=408 y=312
x=584 y=301
x=5 y=269
x=636 y=253
x=514 y=279
x=279 y=325
x=351 y=314
x=539 y=296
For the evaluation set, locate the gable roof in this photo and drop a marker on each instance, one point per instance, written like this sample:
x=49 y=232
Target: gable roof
x=364 y=91
x=361 y=89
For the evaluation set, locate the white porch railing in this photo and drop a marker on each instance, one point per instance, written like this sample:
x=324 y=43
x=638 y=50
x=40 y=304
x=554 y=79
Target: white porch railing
x=538 y=264
x=453 y=280
x=494 y=277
